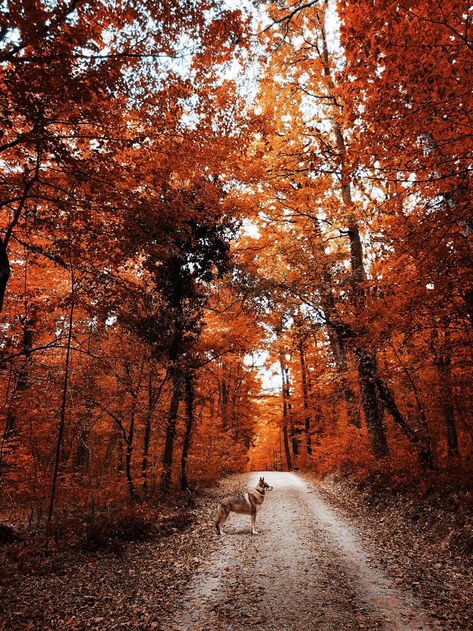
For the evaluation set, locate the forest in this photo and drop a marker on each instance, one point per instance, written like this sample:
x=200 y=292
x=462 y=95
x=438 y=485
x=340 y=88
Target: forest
x=234 y=237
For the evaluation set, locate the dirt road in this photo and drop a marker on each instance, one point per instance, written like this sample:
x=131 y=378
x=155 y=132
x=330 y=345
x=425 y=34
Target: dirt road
x=306 y=569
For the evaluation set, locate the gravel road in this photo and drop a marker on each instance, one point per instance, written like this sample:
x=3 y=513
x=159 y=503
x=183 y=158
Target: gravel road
x=306 y=569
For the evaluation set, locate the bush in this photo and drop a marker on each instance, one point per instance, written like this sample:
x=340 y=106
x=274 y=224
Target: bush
x=8 y=535
x=106 y=530
x=129 y=524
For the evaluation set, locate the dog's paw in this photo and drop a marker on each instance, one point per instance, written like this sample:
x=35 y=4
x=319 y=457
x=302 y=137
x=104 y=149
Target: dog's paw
x=254 y=532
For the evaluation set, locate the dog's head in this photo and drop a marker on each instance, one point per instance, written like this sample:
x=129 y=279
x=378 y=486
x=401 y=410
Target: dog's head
x=264 y=485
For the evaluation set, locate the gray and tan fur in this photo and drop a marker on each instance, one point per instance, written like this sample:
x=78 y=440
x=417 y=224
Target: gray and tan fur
x=246 y=503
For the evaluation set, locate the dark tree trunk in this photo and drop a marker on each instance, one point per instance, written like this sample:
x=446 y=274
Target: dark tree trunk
x=62 y=416
x=336 y=340
x=133 y=495
x=22 y=379
x=224 y=397
x=4 y=272
x=120 y=466
x=285 y=410
x=341 y=361
x=144 y=462
x=107 y=462
x=371 y=408
x=27 y=349
x=153 y=398
x=287 y=450
x=423 y=446
x=167 y=459
x=82 y=457
x=445 y=373
x=452 y=435
x=147 y=434
x=10 y=423
x=294 y=431
x=4 y=261
x=189 y=397
x=305 y=394
x=372 y=386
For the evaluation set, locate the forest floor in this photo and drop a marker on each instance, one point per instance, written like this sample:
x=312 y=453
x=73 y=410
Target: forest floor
x=323 y=559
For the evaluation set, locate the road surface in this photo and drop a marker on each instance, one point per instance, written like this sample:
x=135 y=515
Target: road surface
x=305 y=570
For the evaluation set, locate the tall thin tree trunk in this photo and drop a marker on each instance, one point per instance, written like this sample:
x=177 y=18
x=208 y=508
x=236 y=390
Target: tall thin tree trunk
x=371 y=406
x=305 y=394
x=133 y=495
x=153 y=398
x=62 y=416
x=224 y=396
x=147 y=433
x=287 y=449
x=337 y=344
x=443 y=362
x=120 y=456
x=189 y=398
x=82 y=455
x=111 y=444
x=167 y=458
x=295 y=442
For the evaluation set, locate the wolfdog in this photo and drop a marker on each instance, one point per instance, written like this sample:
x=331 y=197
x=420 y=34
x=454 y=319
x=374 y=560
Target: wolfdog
x=246 y=503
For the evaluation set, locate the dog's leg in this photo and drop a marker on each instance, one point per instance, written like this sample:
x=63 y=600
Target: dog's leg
x=223 y=519
x=253 y=523
x=222 y=515
x=218 y=519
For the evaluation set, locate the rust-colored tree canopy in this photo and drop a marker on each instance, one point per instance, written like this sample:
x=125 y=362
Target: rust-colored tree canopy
x=231 y=239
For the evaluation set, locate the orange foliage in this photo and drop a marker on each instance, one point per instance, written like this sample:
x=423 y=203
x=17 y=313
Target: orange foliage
x=165 y=233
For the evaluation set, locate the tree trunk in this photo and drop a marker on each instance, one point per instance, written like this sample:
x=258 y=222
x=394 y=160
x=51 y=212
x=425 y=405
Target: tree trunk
x=371 y=408
x=167 y=458
x=132 y=494
x=144 y=462
x=335 y=336
x=82 y=457
x=224 y=397
x=189 y=397
x=294 y=431
x=147 y=434
x=4 y=272
x=305 y=394
x=21 y=383
x=107 y=463
x=10 y=422
x=120 y=456
x=62 y=416
x=443 y=362
x=338 y=350
x=27 y=323
x=287 y=450
x=153 y=398
x=374 y=385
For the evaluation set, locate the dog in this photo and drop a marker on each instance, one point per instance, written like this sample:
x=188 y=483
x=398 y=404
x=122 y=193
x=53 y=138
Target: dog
x=246 y=503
